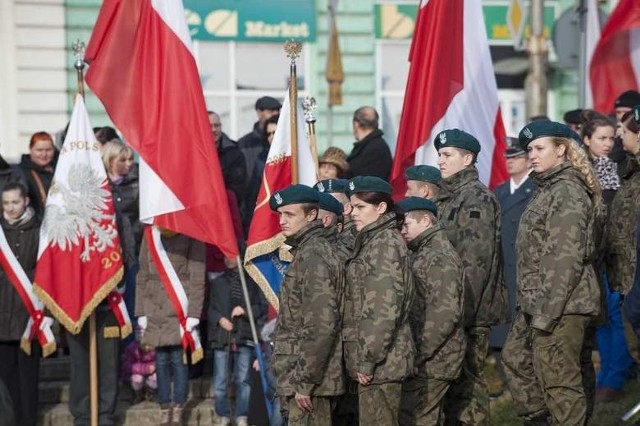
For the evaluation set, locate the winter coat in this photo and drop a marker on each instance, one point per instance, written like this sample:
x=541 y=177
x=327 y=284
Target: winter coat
x=376 y=334
x=252 y=145
x=556 y=250
x=38 y=183
x=187 y=257
x=233 y=165
x=470 y=215
x=511 y=206
x=437 y=311
x=621 y=254
x=126 y=202
x=307 y=355
x=225 y=293
x=23 y=240
x=346 y=240
x=371 y=156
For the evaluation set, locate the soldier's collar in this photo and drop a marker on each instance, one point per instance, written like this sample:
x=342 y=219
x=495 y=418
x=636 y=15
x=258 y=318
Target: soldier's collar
x=463 y=177
x=305 y=233
x=425 y=237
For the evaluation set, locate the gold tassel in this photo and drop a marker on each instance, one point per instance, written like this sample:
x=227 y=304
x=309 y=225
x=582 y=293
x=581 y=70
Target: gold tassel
x=197 y=356
x=112 y=332
x=25 y=345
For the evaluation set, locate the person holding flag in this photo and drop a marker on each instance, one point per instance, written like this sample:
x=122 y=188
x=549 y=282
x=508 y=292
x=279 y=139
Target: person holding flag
x=308 y=343
x=168 y=307
x=19 y=251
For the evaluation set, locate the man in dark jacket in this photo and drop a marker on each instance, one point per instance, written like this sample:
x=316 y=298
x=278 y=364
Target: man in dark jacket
x=513 y=196
x=231 y=340
x=232 y=161
x=370 y=155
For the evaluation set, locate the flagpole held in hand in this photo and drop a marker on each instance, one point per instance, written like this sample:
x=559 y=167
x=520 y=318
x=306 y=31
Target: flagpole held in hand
x=79 y=48
x=293 y=49
x=254 y=334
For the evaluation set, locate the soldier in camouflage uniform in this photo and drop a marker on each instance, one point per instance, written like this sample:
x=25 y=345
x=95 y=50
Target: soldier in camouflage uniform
x=307 y=357
x=346 y=238
x=422 y=181
x=436 y=314
x=558 y=288
x=378 y=346
x=470 y=215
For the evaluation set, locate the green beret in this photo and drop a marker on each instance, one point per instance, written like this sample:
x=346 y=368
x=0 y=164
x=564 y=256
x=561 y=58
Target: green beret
x=543 y=128
x=331 y=185
x=367 y=184
x=457 y=138
x=423 y=173
x=416 y=203
x=329 y=203
x=294 y=194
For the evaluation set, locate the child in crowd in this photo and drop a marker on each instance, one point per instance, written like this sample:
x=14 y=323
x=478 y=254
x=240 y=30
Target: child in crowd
x=139 y=369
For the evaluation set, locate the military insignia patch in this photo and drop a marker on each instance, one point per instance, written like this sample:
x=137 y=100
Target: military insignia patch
x=278 y=198
x=443 y=138
x=352 y=186
x=636 y=114
x=527 y=133
x=320 y=187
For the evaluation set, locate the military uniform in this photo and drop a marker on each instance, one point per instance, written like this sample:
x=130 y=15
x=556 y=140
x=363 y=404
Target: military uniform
x=307 y=354
x=376 y=335
x=558 y=295
x=437 y=326
x=621 y=257
x=470 y=215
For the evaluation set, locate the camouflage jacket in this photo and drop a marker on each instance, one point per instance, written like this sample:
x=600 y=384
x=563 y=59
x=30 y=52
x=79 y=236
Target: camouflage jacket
x=376 y=335
x=621 y=257
x=437 y=310
x=556 y=250
x=308 y=348
x=470 y=215
x=346 y=240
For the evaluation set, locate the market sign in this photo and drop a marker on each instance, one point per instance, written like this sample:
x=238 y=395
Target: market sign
x=396 y=21
x=251 y=20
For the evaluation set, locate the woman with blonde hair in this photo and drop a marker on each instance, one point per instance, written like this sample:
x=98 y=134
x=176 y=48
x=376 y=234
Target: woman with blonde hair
x=123 y=176
x=558 y=289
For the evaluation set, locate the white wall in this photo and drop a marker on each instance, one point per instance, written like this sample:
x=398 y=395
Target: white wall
x=32 y=64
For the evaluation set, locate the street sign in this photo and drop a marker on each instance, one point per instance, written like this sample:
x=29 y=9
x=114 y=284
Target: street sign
x=516 y=17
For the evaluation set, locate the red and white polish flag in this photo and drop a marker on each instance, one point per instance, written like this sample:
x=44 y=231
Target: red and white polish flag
x=451 y=84
x=615 y=64
x=79 y=256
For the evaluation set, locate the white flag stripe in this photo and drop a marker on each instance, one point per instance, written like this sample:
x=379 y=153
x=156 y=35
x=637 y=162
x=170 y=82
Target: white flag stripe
x=155 y=196
x=172 y=13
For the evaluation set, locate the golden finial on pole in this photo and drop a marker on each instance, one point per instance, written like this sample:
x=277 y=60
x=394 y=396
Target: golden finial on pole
x=309 y=107
x=79 y=48
x=293 y=49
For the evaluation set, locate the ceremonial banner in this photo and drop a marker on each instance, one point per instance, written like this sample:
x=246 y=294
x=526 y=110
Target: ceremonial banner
x=615 y=66
x=79 y=256
x=451 y=84
x=143 y=71
x=593 y=36
x=264 y=260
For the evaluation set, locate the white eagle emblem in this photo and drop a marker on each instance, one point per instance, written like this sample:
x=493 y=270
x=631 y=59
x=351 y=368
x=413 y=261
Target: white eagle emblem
x=636 y=114
x=79 y=215
x=320 y=187
x=352 y=186
x=443 y=138
x=527 y=133
x=278 y=198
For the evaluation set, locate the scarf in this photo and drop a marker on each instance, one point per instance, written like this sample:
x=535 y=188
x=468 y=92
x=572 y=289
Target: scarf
x=607 y=173
x=26 y=217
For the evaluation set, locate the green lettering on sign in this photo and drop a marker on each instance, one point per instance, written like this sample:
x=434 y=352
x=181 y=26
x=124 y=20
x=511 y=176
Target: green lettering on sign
x=251 y=20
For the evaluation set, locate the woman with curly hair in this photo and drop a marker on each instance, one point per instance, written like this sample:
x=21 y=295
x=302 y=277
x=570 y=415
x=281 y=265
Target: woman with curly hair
x=558 y=288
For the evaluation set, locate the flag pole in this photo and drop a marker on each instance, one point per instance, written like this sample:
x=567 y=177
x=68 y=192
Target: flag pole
x=254 y=334
x=79 y=48
x=334 y=73
x=309 y=107
x=293 y=49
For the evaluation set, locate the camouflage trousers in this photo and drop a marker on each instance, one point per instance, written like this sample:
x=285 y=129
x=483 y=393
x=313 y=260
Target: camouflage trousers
x=422 y=400
x=379 y=404
x=321 y=415
x=467 y=401
x=545 y=370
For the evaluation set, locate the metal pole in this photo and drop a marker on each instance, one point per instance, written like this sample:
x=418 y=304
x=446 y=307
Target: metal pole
x=254 y=334
x=309 y=107
x=581 y=9
x=536 y=80
x=293 y=49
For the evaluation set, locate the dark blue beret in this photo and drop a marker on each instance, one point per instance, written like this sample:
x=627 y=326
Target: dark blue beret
x=544 y=128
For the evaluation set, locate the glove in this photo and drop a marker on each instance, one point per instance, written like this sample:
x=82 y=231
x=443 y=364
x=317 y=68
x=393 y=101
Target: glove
x=192 y=323
x=142 y=322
